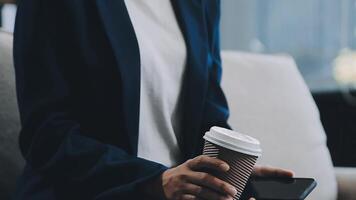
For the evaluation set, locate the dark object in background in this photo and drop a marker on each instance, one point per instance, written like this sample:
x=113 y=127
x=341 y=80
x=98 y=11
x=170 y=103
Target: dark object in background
x=339 y=120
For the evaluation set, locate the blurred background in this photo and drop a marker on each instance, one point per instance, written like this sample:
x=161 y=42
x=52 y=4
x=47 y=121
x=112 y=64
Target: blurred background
x=319 y=34
x=314 y=32
x=321 y=37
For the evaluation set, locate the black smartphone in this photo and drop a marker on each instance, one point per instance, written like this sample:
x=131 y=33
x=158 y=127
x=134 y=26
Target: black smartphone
x=281 y=188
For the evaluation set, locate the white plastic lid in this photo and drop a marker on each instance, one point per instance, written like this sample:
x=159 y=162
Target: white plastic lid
x=234 y=141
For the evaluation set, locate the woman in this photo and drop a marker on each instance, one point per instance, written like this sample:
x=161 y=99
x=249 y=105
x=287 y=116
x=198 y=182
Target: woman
x=115 y=96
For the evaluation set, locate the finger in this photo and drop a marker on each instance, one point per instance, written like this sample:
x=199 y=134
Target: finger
x=204 y=193
x=266 y=171
x=188 y=197
x=252 y=199
x=206 y=180
x=208 y=162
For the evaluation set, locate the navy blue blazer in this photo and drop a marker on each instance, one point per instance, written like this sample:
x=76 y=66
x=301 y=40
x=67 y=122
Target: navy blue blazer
x=77 y=68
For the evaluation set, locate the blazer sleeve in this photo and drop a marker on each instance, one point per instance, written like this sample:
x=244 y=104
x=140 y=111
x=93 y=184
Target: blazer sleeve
x=216 y=111
x=51 y=139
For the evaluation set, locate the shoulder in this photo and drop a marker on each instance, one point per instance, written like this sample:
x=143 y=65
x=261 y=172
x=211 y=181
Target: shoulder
x=56 y=22
x=49 y=9
x=54 y=15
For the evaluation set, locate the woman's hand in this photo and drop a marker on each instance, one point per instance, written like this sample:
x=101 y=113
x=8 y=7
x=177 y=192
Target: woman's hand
x=177 y=186
x=189 y=182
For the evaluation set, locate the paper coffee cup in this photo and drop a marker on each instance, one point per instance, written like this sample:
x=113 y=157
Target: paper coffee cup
x=238 y=150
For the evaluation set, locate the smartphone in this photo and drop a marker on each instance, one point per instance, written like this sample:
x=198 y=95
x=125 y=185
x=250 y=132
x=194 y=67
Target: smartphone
x=281 y=188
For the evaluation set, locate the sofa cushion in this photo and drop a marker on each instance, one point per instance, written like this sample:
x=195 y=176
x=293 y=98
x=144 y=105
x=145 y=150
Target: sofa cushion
x=11 y=161
x=269 y=100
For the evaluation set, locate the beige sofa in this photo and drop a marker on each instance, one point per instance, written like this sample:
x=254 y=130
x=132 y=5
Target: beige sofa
x=11 y=161
x=268 y=100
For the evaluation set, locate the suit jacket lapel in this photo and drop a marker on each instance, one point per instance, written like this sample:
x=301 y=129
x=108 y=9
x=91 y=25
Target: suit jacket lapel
x=190 y=15
x=121 y=34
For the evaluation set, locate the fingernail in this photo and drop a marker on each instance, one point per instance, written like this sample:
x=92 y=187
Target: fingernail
x=232 y=190
x=225 y=167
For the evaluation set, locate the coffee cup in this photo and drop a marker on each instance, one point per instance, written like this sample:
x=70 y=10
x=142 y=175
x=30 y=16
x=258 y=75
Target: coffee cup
x=238 y=150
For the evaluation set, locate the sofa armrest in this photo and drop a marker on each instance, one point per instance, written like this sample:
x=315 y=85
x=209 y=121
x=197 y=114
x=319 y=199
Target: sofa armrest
x=346 y=179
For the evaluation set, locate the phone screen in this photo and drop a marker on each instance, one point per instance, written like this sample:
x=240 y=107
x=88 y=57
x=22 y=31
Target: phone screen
x=281 y=188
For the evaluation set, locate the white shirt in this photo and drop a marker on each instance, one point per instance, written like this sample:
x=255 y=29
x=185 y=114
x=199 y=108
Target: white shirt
x=163 y=58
